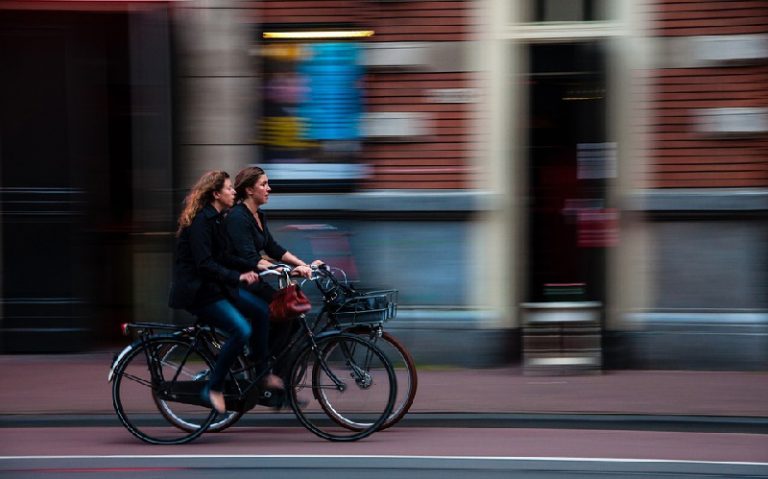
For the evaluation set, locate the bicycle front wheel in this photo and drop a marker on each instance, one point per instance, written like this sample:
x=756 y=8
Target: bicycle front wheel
x=167 y=370
x=344 y=377
x=405 y=370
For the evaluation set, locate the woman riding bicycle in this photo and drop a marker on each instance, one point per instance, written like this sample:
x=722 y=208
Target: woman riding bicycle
x=208 y=281
x=247 y=231
x=246 y=225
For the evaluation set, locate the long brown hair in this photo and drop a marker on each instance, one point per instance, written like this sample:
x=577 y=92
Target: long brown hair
x=246 y=178
x=200 y=194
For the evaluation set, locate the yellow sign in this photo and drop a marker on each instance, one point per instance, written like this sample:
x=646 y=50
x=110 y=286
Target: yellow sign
x=284 y=131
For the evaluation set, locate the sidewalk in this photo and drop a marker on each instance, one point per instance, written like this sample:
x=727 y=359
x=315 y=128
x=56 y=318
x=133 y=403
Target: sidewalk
x=77 y=385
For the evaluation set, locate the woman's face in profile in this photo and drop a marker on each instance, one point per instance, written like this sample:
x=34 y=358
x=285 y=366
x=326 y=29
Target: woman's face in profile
x=261 y=190
x=226 y=195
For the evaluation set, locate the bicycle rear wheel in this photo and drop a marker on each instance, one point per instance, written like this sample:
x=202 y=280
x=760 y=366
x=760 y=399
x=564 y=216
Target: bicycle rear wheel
x=167 y=369
x=348 y=378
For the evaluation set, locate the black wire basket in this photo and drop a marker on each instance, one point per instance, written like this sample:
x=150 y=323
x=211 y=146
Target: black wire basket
x=374 y=306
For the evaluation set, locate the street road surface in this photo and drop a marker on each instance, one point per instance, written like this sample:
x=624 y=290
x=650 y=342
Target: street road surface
x=379 y=467
x=435 y=452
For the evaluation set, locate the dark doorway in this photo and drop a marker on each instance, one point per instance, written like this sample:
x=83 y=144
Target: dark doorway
x=571 y=160
x=65 y=147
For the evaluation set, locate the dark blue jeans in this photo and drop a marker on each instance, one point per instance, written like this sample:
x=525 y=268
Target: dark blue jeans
x=232 y=317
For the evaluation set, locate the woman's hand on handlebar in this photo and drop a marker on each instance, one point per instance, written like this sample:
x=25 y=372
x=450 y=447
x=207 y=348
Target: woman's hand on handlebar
x=303 y=270
x=307 y=270
x=249 y=277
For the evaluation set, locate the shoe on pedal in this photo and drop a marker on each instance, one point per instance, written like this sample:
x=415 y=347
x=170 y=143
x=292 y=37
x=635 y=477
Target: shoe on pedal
x=273 y=382
x=214 y=399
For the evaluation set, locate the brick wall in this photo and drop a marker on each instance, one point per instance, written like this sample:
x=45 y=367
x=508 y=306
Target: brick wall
x=438 y=159
x=681 y=155
x=403 y=21
x=708 y=17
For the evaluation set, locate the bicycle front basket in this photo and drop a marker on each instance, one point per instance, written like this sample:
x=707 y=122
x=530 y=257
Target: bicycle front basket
x=368 y=307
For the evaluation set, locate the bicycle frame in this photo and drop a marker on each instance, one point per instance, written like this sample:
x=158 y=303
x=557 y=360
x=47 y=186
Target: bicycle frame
x=296 y=345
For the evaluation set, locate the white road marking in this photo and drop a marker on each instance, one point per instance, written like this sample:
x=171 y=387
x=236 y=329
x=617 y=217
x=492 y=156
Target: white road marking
x=331 y=456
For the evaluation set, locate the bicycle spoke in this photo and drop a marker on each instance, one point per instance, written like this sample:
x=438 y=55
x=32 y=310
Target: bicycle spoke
x=139 y=380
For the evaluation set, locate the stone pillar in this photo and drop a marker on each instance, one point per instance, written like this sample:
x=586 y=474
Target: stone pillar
x=217 y=88
x=153 y=217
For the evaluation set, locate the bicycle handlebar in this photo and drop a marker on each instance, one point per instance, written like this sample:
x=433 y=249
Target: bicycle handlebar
x=319 y=272
x=277 y=269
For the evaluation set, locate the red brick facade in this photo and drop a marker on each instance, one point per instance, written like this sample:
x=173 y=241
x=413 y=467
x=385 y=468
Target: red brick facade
x=681 y=156
x=708 y=17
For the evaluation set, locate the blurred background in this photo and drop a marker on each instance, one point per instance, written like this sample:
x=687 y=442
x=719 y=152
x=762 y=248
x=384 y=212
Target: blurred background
x=564 y=184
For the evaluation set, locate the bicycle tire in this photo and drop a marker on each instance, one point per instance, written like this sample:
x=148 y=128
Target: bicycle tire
x=405 y=370
x=326 y=370
x=135 y=389
x=222 y=421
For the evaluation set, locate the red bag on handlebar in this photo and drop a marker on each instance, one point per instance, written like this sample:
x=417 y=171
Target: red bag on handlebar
x=288 y=303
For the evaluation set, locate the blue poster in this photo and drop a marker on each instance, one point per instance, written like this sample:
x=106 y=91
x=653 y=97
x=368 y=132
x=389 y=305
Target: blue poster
x=331 y=107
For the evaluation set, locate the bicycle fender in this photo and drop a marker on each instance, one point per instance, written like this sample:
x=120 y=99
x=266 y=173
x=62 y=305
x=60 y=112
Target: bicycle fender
x=116 y=360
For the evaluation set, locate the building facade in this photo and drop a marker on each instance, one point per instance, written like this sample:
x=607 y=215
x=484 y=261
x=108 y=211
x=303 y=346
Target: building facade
x=570 y=183
x=702 y=194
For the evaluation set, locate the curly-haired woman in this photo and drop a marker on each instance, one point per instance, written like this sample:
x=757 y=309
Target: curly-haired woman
x=208 y=281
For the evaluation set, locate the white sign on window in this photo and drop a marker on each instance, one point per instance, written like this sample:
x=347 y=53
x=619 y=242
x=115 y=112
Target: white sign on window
x=596 y=160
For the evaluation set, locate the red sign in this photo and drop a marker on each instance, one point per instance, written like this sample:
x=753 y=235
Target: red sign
x=598 y=228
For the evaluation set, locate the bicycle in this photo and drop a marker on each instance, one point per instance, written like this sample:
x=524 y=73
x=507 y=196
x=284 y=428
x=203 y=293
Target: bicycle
x=166 y=373
x=357 y=312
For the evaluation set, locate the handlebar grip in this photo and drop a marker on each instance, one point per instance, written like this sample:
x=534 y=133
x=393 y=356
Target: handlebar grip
x=278 y=266
x=270 y=272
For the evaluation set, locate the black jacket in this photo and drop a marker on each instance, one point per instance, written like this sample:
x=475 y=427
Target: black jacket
x=247 y=240
x=205 y=270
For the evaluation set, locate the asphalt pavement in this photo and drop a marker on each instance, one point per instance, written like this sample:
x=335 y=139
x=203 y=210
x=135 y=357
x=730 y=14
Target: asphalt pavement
x=396 y=452
x=72 y=389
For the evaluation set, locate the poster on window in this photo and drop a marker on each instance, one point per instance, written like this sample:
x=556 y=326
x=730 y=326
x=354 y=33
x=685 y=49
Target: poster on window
x=311 y=113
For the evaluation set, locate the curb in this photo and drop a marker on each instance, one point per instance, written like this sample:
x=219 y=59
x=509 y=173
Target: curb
x=632 y=422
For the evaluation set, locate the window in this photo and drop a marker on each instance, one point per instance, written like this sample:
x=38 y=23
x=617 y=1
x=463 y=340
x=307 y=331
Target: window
x=568 y=10
x=311 y=108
